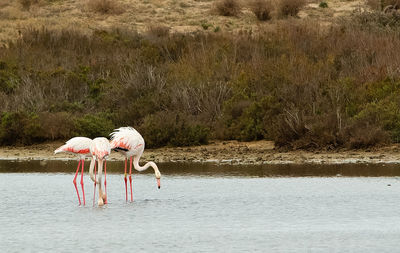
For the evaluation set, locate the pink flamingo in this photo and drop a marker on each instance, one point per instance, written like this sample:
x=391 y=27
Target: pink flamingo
x=130 y=143
x=79 y=146
x=100 y=150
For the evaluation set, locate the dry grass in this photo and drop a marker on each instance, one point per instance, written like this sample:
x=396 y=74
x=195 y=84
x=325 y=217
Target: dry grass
x=139 y=14
x=227 y=7
x=374 y=4
x=158 y=31
x=382 y=4
x=105 y=6
x=26 y=4
x=290 y=7
x=262 y=9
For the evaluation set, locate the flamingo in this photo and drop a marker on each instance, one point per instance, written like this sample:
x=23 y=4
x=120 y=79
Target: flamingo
x=100 y=150
x=79 y=146
x=130 y=143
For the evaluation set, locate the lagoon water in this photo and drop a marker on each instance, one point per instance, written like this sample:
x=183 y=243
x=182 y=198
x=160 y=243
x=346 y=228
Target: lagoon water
x=203 y=208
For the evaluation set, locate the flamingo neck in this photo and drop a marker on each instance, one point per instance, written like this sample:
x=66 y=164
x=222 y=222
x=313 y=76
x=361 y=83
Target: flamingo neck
x=100 y=172
x=146 y=166
x=91 y=167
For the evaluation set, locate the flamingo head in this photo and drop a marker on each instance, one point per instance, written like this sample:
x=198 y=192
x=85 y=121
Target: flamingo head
x=158 y=177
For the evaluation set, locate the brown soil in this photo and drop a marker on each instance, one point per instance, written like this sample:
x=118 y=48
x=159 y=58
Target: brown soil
x=227 y=152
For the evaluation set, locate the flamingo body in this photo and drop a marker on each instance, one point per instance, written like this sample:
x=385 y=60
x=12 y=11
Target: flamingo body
x=128 y=141
x=131 y=144
x=100 y=149
x=79 y=146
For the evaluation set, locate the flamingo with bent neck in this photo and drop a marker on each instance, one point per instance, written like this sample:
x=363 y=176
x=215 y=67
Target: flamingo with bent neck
x=79 y=146
x=100 y=150
x=130 y=143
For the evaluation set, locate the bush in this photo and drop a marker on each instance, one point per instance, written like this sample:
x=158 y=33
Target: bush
x=26 y=4
x=290 y=7
x=294 y=84
x=170 y=129
x=323 y=5
x=227 y=7
x=11 y=128
x=99 y=125
x=205 y=25
x=158 y=31
x=262 y=9
x=381 y=4
x=20 y=128
x=33 y=130
x=59 y=125
x=243 y=120
x=292 y=132
x=376 y=21
x=105 y=6
x=360 y=135
x=9 y=79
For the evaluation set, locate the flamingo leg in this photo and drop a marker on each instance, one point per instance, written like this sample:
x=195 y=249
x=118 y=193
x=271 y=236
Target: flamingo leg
x=102 y=196
x=74 y=181
x=94 y=193
x=105 y=180
x=130 y=177
x=126 y=189
x=83 y=188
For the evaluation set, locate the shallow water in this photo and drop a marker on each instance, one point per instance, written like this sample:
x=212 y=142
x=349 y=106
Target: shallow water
x=203 y=208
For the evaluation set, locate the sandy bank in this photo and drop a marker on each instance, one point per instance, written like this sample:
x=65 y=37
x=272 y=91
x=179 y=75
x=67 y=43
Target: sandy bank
x=227 y=152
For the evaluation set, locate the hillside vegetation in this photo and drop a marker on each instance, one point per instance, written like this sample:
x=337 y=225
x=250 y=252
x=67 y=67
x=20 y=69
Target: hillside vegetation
x=299 y=83
x=180 y=16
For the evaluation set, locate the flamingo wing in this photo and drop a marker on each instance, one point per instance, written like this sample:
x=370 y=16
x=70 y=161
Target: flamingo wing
x=76 y=145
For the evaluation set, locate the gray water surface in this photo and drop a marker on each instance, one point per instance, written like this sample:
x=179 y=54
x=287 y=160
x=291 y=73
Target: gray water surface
x=230 y=210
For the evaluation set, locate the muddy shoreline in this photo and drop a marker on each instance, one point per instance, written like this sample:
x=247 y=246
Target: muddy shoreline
x=223 y=152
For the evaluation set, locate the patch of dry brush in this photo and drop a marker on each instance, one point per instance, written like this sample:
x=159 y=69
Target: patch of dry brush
x=290 y=7
x=262 y=9
x=26 y=4
x=227 y=7
x=105 y=6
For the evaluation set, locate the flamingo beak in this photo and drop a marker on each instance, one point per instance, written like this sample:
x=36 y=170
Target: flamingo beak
x=158 y=183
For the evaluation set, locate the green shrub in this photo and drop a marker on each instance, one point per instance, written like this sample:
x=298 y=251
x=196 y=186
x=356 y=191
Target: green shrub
x=384 y=115
x=9 y=79
x=11 y=128
x=205 y=25
x=170 y=129
x=243 y=120
x=323 y=4
x=33 y=130
x=98 y=125
x=20 y=128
